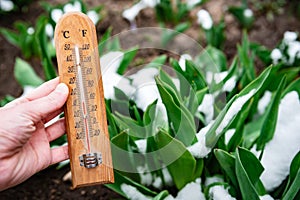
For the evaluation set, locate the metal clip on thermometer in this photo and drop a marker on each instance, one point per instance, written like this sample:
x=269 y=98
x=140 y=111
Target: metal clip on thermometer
x=79 y=67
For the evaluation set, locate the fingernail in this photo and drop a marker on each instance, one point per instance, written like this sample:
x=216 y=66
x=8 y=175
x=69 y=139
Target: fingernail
x=63 y=88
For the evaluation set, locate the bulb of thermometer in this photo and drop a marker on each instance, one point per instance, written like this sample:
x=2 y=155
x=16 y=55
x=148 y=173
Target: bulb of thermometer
x=79 y=67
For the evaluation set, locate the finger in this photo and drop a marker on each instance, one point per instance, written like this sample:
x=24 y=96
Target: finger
x=41 y=91
x=41 y=108
x=59 y=154
x=53 y=115
x=56 y=130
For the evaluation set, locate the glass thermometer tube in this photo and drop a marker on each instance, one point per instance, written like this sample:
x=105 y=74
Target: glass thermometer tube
x=83 y=104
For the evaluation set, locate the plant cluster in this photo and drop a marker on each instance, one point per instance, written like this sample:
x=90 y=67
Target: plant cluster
x=194 y=127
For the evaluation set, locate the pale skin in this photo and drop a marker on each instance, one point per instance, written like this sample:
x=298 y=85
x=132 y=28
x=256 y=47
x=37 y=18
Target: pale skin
x=24 y=139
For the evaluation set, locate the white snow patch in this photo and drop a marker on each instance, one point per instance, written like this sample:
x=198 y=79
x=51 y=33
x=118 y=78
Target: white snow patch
x=248 y=13
x=30 y=31
x=289 y=36
x=283 y=147
x=141 y=145
x=183 y=59
x=266 y=197
x=217 y=192
x=56 y=14
x=229 y=84
x=49 y=30
x=199 y=149
x=167 y=177
x=191 y=190
x=228 y=135
x=204 y=19
x=192 y=3
x=293 y=51
x=207 y=107
x=132 y=192
x=233 y=110
x=264 y=102
x=6 y=5
x=76 y=7
x=157 y=183
x=276 y=55
x=93 y=15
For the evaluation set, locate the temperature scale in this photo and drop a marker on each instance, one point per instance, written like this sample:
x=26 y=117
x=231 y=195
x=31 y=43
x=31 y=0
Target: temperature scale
x=79 y=68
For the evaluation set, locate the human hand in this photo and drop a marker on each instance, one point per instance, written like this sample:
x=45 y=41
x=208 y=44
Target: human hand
x=24 y=139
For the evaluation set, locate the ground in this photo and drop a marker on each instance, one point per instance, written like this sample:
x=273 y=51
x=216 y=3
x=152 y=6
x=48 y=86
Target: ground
x=48 y=183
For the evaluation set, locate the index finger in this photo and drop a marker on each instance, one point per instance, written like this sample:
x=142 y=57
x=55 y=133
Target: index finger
x=41 y=91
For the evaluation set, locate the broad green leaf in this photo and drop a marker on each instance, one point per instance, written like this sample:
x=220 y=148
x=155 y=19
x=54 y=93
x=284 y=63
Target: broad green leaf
x=246 y=61
x=227 y=162
x=293 y=186
x=42 y=42
x=178 y=115
x=237 y=138
x=167 y=79
x=120 y=179
x=194 y=77
x=124 y=157
x=149 y=119
x=25 y=75
x=131 y=125
x=104 y=40
x=212 y=59
x=158 y=61
x=270 y=121
x=294 y=86
x=112 y=127
x=10 y=36
x=127 y=59
x=248 y=169
x=252 y=132
x=162 y=195
x=6 y=99
x=180 y=163
x=262 y=53
x=215 y=36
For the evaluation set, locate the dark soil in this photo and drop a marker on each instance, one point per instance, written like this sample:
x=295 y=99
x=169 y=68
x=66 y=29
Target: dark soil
x=48 y=183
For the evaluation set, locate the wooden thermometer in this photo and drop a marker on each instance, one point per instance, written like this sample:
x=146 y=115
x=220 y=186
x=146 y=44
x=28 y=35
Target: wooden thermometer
x=79 y=68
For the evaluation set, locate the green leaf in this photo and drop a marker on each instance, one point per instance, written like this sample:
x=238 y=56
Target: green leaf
x=162 y=195
x=237 y=138
x=120 y=179
x=270 y=121
x=42 y=41
x=25 y=75
x=227 y=162
x=293 y=185
x=10 y=36
x=157 y=62
x=248 y=169
x=246 y=61
x=180 y=163
x=294 y=86
x=127 y=58
x=178 y=115
x=6 y=100
x=132 y=126
x=212 y=59
x=239 y=13
x=124 y=157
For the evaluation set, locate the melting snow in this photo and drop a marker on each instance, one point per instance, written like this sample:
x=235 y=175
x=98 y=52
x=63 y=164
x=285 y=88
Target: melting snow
x=280 y=151
x=233 y=110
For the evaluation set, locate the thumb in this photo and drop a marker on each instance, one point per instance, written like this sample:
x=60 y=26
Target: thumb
x=54 y=101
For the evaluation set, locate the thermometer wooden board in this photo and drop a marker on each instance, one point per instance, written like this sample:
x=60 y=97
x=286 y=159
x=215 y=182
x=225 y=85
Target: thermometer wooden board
x=79 y=68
